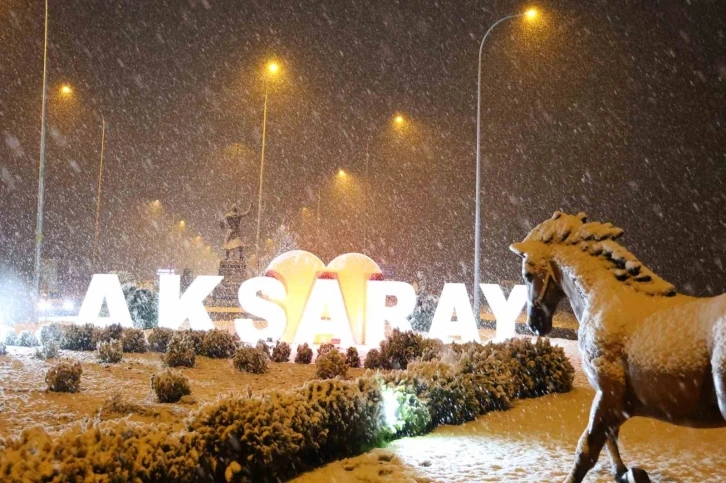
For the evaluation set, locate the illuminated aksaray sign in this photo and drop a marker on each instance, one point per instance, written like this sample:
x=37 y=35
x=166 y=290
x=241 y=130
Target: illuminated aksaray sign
x=302 y=299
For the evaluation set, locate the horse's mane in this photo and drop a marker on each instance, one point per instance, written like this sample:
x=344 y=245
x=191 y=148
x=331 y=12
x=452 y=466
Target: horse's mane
x=598 y=239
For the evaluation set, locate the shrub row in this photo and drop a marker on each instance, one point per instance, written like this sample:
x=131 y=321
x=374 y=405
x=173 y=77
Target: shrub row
x=277 y=434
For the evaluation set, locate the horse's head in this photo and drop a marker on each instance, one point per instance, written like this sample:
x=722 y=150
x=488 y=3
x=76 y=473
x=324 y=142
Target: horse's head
x=544 y=290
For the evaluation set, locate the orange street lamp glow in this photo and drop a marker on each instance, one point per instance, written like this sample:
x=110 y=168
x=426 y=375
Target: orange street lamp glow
x=66 y=90
x=341 y=173
x=273 y=67
x=182 y=223
x=399 y=120
x=531 y=14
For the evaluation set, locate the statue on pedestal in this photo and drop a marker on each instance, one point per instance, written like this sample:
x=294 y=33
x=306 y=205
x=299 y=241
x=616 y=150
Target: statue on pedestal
x=233 y=235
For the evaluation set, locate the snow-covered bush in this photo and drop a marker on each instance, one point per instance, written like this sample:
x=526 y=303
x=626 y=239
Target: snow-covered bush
x=159 y=338
x=27 y=339
x=331 y=364
x=373 y=359
x=540 y=367
x=50 y=332
x=11 y=338
x=400 y=348
x=196 y=337
x=105 y=334
x=281 y=352
x=301 y=428
x=275 y=435
x=78 y=337
x=304 y=354
x=65 y=376
x=49 y=350
x=180 y=351
x=3 y=348
x=250 y=359
x=134 y=340
x=219 y=344
x=432 y=350
x=110 y=352
x=351 y=357
x=170 y=386
x=262 y=345
x=323 y=348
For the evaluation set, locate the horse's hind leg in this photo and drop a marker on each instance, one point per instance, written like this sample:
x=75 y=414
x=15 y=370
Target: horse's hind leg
x=605 y=416
x=718 y=366
x=616 y=463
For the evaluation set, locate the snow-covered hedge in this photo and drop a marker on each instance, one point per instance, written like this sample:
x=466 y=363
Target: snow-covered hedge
x=105 y=334
x=49 y=350
x=134 y=340
x=64 y=377
x=26 y=339
x=197 y=339
x=170 y=386
x=181 y=350
x=50 y=332
x=219 y=344
x=352 y=358
x=373 y=359
x=110 y=352
x=262 y=345
x=159 y=339
x=3 y=348
x=250 y=359
x=400 y=348
x=304 y=354
x=330 y=364
x=277 y=434
x=78 y=337
x=281 y=352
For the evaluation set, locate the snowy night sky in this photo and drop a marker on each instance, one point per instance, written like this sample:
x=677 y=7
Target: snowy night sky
x=607 y=107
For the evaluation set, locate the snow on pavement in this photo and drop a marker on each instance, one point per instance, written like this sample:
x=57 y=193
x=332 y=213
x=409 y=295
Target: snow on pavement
x=535 y=442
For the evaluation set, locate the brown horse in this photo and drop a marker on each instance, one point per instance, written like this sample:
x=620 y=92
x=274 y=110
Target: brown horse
x=646 y=350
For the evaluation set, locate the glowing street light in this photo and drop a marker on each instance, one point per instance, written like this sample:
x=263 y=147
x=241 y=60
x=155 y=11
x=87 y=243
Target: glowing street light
x=399 y=120
x=530 y=14
x=66 y=90
x=273 y=68
x=341 y=173
x=182 y=224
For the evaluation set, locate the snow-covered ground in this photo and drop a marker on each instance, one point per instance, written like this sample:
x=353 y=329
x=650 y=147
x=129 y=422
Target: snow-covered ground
x=534 y=442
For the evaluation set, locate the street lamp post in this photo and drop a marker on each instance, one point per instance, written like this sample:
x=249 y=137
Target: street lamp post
x=272 y=69
x=98 y=195
x=41 y=173
x=530 y=14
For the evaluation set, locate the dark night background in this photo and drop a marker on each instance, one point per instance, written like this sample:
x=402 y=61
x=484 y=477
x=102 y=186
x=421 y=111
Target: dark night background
x=611 y=107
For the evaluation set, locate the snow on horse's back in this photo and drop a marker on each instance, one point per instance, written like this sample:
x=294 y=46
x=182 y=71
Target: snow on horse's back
x=646 y=349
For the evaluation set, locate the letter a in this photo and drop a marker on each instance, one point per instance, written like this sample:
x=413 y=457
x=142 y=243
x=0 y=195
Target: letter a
x=105 y=287
x=454 y=298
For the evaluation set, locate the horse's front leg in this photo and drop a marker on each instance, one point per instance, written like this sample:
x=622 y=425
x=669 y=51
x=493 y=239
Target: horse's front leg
x=606 y=416
x=620 y=471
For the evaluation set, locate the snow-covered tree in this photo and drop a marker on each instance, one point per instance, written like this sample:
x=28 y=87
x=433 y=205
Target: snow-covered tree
x=426 y=302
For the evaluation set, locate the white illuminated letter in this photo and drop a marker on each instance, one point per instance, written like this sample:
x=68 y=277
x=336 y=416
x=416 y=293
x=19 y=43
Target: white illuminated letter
x=174 y=310
x=377 y=313
x=325 y=298
x=259 y=307
x=505 y=311
x=105 y=287
x=454 y=298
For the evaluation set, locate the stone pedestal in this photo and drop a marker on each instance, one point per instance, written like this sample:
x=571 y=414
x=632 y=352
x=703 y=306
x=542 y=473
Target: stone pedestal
x=233 y=271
